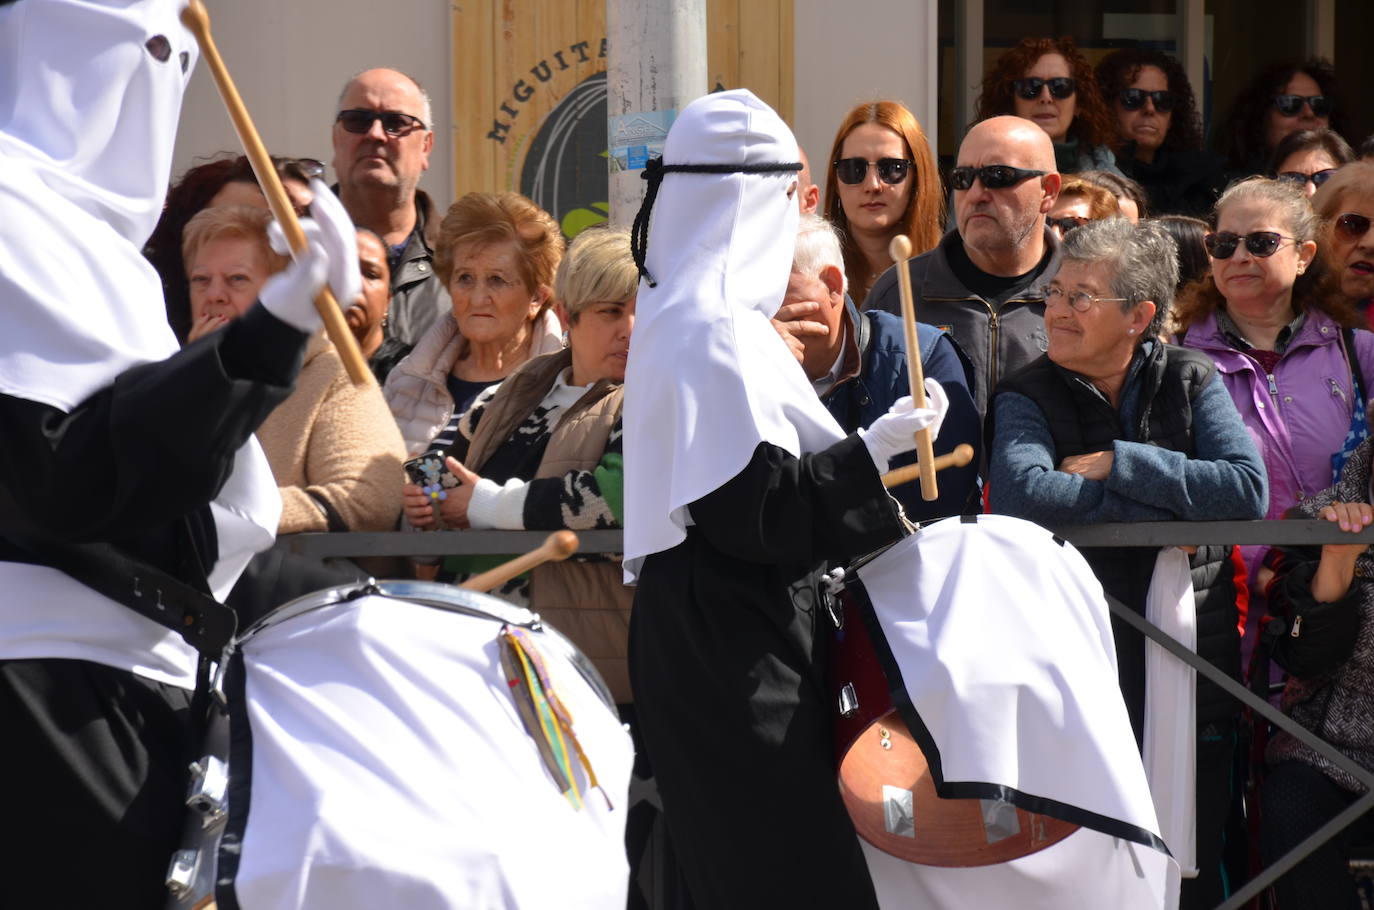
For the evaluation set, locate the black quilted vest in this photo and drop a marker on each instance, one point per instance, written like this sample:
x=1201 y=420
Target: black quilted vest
x=1082 y=420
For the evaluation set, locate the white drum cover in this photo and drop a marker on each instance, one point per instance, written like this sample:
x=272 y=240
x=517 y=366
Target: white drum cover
x=390 y=769
x=1000 y=641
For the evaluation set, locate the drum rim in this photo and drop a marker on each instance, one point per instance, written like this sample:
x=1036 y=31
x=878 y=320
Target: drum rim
x=440 y=596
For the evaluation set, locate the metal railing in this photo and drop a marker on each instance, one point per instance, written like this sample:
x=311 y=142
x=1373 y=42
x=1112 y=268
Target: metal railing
x=1134 y=534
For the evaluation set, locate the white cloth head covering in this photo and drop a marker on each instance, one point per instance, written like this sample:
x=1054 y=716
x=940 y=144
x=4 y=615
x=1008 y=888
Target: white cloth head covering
x=90 y=96
x=708 y=376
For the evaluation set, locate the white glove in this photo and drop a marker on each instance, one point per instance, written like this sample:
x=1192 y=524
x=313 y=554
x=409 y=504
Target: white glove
x=341 y=240
x=895 y=432
x=290 y=294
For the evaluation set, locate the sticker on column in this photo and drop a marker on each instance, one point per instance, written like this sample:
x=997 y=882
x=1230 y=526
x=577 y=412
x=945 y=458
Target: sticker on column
x=898 y=817
x=637 y=137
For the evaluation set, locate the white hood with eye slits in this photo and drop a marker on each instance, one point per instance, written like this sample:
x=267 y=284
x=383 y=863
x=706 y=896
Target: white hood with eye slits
x=90 y=96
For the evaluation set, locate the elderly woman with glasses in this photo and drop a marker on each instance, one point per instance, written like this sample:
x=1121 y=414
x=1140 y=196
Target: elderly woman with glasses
x=1114 y=425
x=1345 y=205
x=1159 y=132
x=1049 y=82
x=882 y=181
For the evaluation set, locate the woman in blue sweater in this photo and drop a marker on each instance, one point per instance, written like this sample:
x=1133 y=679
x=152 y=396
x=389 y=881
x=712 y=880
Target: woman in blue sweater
x=1114 y=425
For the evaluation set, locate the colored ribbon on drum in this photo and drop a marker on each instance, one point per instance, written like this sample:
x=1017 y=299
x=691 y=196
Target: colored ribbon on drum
x=546 y=719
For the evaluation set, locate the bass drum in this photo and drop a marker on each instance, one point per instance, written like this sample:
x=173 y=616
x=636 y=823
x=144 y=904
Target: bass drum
x=884 y=779
x=407 y=744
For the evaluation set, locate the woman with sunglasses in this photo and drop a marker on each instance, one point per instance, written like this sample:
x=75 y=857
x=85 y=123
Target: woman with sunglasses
x=1282 y=99
x=882 y=181
x=1078 y=203
x=1345 y=205
x=1049 y=82
x=1159 y=132
x=1281 y=342
x=1308 y=158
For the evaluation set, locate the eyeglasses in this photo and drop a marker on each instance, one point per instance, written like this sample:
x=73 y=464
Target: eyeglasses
x=1291 y=105
x=994 y=176
x=1352 y=225
x=1261 y=244
x=855 y=170
x=1067 y=223
x=1317 y=178
x=1061 y=87
x=1081 y=301
x=360 y=120
x=1133 y=99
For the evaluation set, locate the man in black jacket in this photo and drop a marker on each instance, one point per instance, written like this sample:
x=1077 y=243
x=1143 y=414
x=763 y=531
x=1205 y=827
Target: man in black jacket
x=984 y=283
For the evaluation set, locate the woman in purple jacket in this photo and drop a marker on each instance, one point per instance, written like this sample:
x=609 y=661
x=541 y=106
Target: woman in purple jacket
x=1281 y=336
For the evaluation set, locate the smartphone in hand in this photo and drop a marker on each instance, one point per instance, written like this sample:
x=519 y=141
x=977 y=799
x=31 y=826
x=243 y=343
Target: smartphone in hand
x=431 y=475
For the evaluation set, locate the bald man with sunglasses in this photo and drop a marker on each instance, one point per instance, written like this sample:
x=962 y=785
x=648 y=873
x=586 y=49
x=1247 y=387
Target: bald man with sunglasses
x=985 y=282
x=383 y=136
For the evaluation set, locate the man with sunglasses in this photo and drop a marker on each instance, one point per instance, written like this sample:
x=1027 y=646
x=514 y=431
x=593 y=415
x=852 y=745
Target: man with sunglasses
x=984 y=284
x=383 y=136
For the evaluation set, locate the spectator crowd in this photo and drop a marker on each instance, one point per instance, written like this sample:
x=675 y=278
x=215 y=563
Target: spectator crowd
x=1125 y=324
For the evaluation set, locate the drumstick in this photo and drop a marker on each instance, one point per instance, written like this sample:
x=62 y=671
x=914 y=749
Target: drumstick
x=962 y=455
x=557 y=547
x=900 y=251
x=197 y=19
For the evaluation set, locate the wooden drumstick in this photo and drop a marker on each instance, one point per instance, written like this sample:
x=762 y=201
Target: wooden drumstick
x=962 y=455
x=197 y=19
x=557 y=547
x=900 y=251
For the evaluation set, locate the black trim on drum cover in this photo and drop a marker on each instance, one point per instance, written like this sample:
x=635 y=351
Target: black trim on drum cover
x=230 y=850
x=1040 y=805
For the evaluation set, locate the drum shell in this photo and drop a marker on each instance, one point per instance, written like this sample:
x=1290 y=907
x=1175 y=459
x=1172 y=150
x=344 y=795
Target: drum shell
x=359 y=785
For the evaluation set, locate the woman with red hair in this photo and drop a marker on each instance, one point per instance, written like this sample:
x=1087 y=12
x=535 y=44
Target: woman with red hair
x=1049 y=82
x=881 y=181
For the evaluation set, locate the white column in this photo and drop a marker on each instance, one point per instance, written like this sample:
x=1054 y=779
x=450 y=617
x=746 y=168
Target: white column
x=1192 y=40
x=656 y=64
x=875 y=50
x=968 y=60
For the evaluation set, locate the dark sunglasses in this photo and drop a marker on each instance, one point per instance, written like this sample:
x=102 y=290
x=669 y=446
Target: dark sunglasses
x=358 y=120
x=1352 y=225
x=994 y=176
x=1261 y=244
x=854 y=170
x=1291 y=105
x=1317 y=178
x=1133 y=99
x=1061 y=87
x=1067 y=223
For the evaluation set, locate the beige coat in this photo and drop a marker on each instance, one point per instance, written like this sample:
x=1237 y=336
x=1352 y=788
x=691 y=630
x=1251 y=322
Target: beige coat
x=333 y=446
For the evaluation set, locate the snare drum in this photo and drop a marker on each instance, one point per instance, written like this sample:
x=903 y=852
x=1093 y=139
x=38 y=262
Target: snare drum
x=884 y=779
x=375 y=753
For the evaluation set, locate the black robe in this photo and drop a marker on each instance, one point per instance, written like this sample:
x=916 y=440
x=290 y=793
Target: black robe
x=93 y=769
x=727 y=645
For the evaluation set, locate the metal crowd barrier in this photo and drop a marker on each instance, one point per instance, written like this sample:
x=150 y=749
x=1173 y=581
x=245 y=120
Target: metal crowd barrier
x=1133 y=534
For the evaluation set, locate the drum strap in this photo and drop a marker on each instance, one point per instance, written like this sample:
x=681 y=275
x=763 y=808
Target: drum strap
x=203 y=622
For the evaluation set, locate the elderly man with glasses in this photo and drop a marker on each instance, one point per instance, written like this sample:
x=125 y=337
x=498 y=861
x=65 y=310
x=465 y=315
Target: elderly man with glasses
x=984 y=283
x=383 y=136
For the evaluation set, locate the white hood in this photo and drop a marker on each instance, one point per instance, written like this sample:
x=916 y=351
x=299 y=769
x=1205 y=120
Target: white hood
x=708 y=376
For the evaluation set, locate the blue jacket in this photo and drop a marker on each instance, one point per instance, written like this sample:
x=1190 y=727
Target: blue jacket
x=875 y=376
